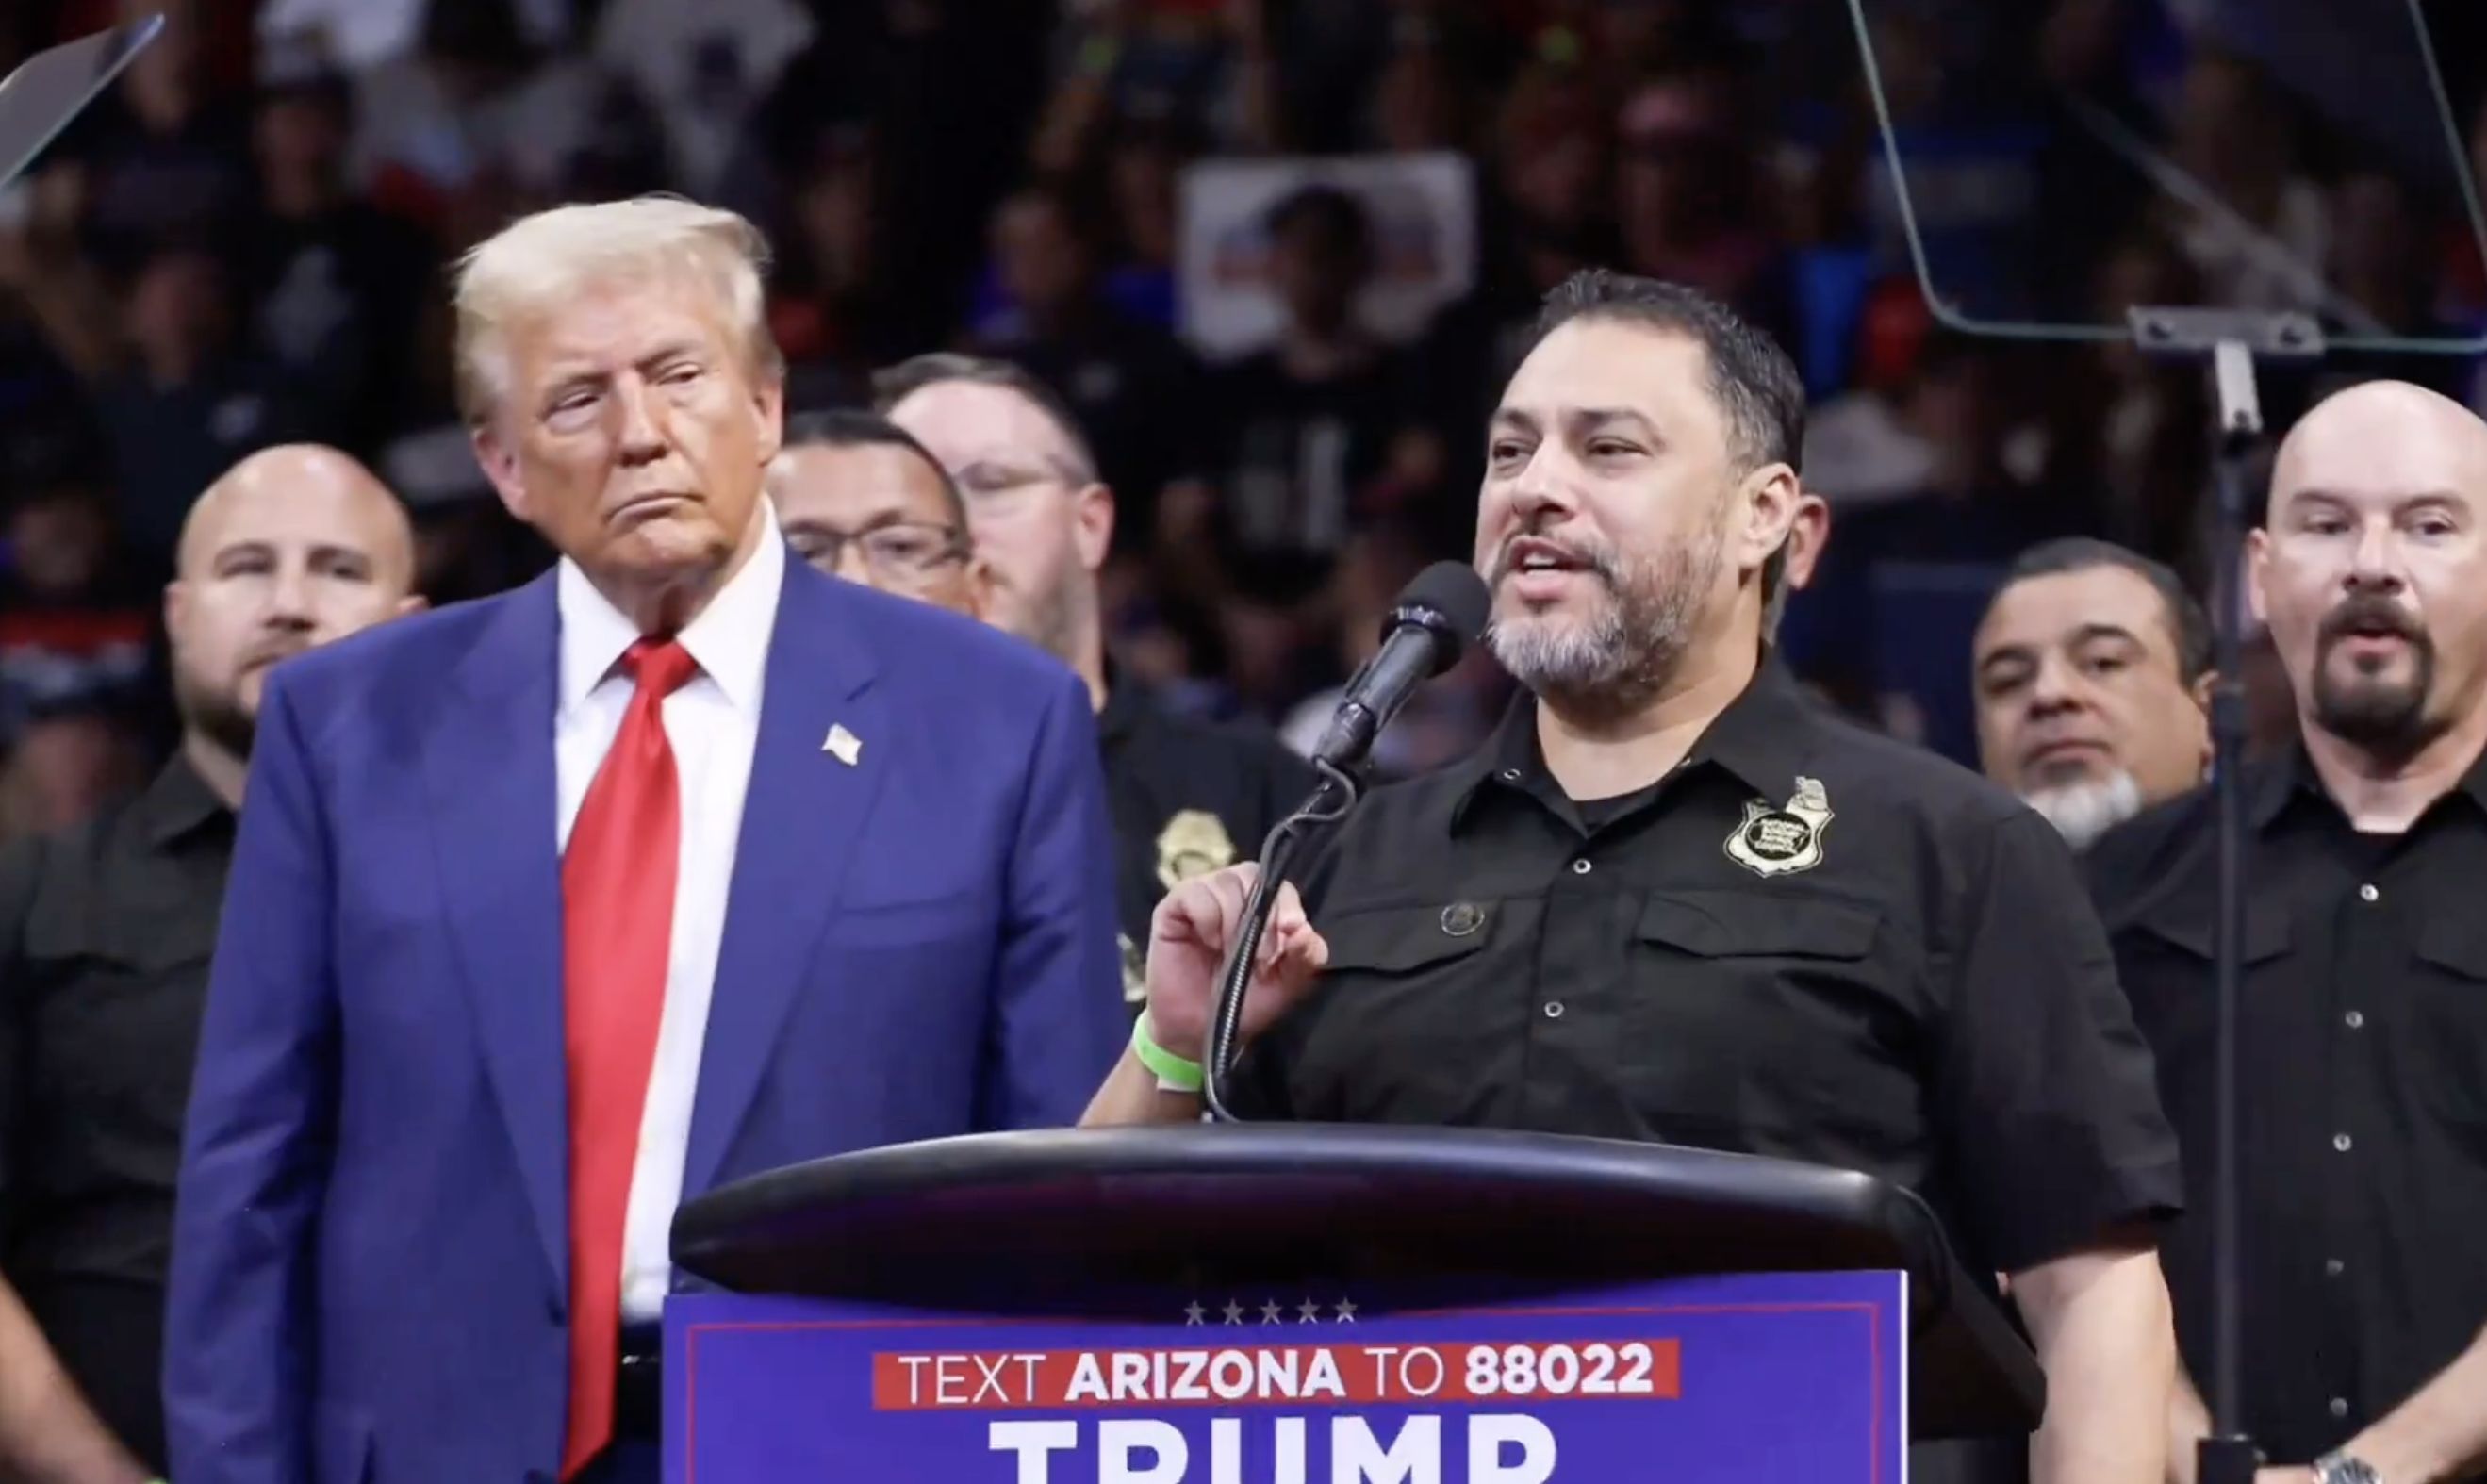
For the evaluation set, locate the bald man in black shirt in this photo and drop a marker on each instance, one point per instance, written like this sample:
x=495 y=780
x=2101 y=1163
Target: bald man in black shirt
x=2363 y=1031
x=105 y=935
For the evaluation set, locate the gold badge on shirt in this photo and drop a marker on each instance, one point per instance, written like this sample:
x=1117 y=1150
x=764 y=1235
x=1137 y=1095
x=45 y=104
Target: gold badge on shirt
x=1193 y=843
x=1773 y=842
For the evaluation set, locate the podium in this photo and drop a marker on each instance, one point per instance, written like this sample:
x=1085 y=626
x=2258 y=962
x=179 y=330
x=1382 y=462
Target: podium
x=1293 y=1303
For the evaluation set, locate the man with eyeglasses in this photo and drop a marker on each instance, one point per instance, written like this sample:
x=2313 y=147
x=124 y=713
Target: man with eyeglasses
x=861 y=499
x=1187 y=797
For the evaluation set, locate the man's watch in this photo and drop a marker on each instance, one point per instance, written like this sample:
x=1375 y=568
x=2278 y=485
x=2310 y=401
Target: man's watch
x=2344 y=1468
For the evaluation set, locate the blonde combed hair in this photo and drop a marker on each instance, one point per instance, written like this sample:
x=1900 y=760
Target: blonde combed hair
x=542 y=259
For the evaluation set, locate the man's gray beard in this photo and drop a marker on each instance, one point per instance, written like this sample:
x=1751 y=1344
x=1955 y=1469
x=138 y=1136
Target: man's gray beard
x=1629 y=647
x=2081 y=812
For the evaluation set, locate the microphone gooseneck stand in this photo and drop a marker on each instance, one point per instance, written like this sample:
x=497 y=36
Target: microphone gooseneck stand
x=1328 y=803
x=1437 y=617
x=2232 y=341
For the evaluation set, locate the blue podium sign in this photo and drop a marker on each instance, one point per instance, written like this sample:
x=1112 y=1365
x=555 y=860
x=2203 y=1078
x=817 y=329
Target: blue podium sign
x=1768 y=1378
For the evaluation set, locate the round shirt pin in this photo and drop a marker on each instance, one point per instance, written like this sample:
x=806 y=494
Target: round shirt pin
x=1462 y=918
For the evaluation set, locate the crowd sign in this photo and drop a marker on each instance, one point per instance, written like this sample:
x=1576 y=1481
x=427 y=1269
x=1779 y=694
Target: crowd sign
x=1782 y=1379
x=1422 y=209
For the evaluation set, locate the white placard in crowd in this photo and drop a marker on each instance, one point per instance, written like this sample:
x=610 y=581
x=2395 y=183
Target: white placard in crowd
x=1423 y=211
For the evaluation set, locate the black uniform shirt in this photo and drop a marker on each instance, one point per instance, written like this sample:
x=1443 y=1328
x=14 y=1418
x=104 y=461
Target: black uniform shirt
x=105 y=937
x=2362 y=1060
x=1186 y=797
x=1805 y=941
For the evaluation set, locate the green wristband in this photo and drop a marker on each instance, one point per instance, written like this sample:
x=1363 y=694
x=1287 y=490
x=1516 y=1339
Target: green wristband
x=1174 y=1074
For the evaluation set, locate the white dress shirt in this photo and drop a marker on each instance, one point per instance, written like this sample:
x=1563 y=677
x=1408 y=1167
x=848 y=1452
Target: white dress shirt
x=712 y=723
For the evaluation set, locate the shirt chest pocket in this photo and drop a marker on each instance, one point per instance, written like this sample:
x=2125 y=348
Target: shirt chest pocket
x=2449 y=1022
x=1409 y=991
x=117 y=944
x=2165 y=962
x=1370 y=949
x=115 y=1015
x=1772 y=1011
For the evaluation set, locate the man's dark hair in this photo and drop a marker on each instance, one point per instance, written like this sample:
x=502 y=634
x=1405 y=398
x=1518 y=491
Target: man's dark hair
x=2189 y=627
x=1755 y=383
x=894 y=384
x=1751 y=377
x=853 y=427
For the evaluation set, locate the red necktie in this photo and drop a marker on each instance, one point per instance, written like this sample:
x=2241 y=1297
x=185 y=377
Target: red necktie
x=617 y=912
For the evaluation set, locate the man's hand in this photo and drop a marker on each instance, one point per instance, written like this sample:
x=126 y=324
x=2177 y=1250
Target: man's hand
x=1188 y=938
x=2283 y=1476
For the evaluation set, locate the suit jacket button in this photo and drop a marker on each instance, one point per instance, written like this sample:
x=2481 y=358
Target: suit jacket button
x=554 y=1312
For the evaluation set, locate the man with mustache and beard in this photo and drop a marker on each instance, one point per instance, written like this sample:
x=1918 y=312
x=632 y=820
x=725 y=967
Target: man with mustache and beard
x=105 y=936
x=2363 y=987
x=1673 y=901
x=2092 y=671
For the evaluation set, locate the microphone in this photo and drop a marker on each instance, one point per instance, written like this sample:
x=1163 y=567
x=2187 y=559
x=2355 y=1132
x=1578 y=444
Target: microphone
x=1436 y=618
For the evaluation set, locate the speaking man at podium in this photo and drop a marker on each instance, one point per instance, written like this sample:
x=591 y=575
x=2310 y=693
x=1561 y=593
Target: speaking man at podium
x=1672 y=901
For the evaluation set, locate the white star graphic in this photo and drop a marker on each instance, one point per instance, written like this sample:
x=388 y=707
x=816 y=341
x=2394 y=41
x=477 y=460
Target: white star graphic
x=1234 y=1312
x=1309 y=1312
x=1345 y=1312
x=1192 y=1312
x=1270 y=1312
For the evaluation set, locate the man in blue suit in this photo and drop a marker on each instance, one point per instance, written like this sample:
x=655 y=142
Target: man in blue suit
x=681 y=863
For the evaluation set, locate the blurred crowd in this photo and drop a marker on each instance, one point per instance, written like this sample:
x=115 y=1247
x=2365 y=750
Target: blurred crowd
x=244 y=243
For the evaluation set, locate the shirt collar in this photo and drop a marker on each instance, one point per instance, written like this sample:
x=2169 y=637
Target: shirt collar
x=729 y=639
x=2270 y=788
x=178 y=803
x=1763 y=735
x=1759 y=738
x=2291 y=775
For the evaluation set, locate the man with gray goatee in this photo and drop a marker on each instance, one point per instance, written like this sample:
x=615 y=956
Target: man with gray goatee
x=2092 y=670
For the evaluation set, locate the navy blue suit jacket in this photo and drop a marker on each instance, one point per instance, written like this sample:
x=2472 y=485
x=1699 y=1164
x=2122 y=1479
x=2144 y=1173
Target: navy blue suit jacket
x=370 y=1265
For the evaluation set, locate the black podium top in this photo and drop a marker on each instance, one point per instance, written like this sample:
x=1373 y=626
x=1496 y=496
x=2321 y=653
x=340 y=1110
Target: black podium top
x=1021 y=1222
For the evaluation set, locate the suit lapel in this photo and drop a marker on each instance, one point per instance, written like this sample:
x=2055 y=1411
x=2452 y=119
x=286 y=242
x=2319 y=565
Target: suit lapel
x=800 y=822
x=489 y=770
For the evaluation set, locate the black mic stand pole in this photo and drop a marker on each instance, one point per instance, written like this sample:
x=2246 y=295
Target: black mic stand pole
x=1330 y=801
x=2232 y=341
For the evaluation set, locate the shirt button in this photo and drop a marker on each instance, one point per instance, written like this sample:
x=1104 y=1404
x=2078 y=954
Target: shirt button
x=2367 y=892
x=2340 y=1406
x=1580 y=867
x=1510 y=775
x=2354 y=1019
x=2341 y=1142
x=1553 y=1010
x=2334 y=1266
